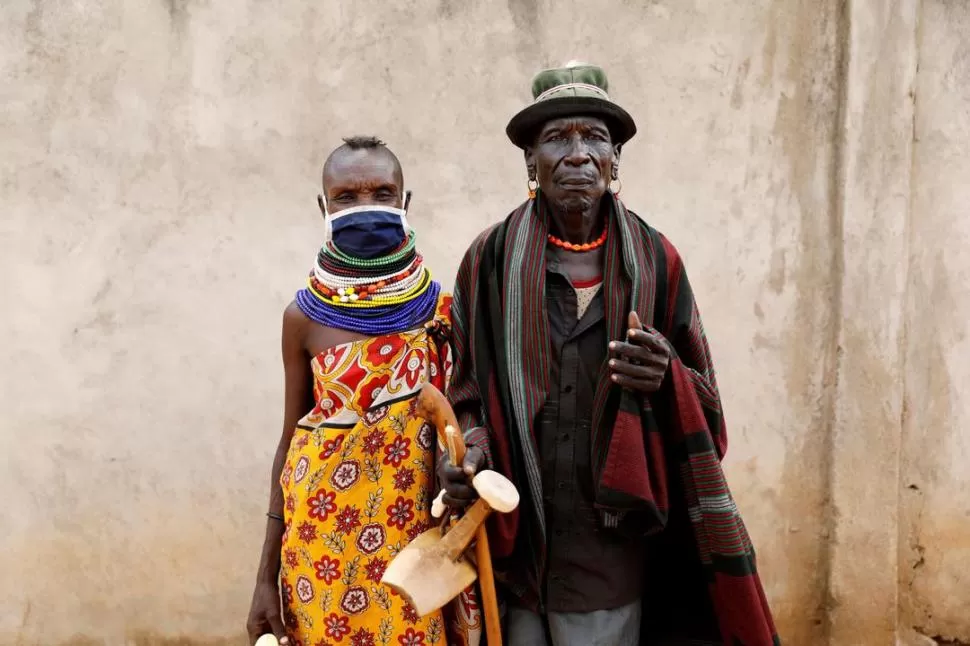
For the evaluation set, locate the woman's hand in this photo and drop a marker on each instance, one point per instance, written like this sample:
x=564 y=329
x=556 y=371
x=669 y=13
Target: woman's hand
x=265 y=614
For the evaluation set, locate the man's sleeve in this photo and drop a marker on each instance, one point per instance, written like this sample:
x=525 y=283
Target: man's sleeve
x=684 y=332
x=464 y=392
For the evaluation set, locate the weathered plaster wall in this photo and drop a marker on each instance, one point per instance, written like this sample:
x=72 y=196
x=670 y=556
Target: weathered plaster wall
x=158 y=172
x=935 y=473
x=874 y=200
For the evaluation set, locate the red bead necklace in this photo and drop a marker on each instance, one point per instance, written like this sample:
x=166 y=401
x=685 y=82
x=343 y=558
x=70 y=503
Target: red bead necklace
x=586 y=246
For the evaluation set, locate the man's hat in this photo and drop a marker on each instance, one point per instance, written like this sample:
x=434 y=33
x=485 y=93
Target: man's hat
x=574 y=90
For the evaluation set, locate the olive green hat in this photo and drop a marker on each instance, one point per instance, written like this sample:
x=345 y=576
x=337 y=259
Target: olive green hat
x=573 y=90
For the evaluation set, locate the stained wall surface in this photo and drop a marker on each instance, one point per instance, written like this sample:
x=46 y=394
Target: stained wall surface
x=935 y=476
x=159 y=163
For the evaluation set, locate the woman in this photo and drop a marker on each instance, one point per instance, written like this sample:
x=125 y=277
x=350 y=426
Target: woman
x=352 y=480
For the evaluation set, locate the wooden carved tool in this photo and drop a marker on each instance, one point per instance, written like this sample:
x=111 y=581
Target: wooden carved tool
x=431 y=570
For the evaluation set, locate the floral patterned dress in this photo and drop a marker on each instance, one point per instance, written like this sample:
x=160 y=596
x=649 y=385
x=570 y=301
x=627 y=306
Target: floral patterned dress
x=358 y=483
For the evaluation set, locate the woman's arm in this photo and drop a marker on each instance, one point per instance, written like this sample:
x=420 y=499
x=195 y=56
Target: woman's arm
x=265 y=614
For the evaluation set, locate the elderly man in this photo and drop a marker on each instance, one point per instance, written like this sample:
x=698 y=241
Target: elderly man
x=582 y=373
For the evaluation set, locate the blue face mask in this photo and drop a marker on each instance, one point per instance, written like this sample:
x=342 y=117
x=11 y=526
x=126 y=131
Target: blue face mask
x=368 y=231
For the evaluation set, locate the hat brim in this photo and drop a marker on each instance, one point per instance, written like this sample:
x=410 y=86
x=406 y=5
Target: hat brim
x=523 y=126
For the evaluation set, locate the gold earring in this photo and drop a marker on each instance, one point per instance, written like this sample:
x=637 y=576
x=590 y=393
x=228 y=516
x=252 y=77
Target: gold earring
x=533 y=187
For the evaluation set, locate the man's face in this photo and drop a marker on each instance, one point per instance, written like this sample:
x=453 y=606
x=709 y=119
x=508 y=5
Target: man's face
x=573 y=159
x=362 y=177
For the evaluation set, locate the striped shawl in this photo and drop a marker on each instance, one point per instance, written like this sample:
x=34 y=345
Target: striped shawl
x=656 y=462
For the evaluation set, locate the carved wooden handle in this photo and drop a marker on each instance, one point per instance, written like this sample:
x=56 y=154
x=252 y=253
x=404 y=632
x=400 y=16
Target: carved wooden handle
x=434 y=407
x=466 y=529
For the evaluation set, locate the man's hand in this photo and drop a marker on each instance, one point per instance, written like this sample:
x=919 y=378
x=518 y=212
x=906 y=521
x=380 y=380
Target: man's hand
x=265 y=614
x=641 y=362
x=457 y=481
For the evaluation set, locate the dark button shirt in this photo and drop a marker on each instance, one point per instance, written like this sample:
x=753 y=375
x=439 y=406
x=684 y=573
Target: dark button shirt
x=588 y=568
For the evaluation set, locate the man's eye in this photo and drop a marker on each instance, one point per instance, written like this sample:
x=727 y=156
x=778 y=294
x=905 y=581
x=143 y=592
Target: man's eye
x=344 y=197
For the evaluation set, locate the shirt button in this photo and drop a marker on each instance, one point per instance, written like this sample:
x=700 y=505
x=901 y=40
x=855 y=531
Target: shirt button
x=564 y=437
x=562 y=485
x=567 y=389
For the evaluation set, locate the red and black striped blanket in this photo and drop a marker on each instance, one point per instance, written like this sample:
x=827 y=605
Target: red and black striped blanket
x=654 y=459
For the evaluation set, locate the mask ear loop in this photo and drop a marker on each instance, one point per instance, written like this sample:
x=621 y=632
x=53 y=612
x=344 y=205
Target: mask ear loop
x=407 y=203
x=327 y=227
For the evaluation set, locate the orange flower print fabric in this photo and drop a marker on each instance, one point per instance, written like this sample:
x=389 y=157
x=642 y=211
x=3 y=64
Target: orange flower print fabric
x=358 y=483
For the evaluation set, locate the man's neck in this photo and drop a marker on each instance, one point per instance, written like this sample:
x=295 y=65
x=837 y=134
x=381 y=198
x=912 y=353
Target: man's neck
x=578 y=226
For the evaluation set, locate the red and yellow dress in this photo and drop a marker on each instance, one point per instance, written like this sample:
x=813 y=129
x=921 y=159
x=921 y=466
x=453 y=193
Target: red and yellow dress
x=358 y=484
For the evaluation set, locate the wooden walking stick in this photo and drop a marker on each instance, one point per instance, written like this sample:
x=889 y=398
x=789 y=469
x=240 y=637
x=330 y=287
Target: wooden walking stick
x=432 y=570
x=483 y=556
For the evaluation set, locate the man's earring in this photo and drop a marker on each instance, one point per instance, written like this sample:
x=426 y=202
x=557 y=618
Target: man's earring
x=615 y=184
x=533 y=187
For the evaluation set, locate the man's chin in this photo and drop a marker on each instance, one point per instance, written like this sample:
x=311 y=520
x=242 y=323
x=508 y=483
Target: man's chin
x=572 y=202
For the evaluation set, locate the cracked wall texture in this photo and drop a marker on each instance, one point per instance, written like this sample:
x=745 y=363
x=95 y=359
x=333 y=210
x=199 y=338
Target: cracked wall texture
x=158 y=173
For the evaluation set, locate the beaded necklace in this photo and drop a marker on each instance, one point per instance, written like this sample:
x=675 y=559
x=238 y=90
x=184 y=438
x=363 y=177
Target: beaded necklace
x=571 y=246
x=373 y=296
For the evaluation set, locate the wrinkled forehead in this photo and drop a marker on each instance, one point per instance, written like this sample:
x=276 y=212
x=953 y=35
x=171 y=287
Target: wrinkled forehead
x=574 y=123
x=356 y=168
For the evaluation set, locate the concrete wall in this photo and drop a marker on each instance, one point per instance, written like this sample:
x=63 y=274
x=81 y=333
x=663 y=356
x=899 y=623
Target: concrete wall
x=158 y=172
x=934 y=512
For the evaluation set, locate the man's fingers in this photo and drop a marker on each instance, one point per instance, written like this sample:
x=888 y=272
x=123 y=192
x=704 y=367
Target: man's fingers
x=461 y=492
x=452 y=473
x=622 y=350
x=648 y=339
x=641 y=385
x=457 y=479
x=633 y=320
x=456 y=503
x=618 y=366
x=473 y=462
